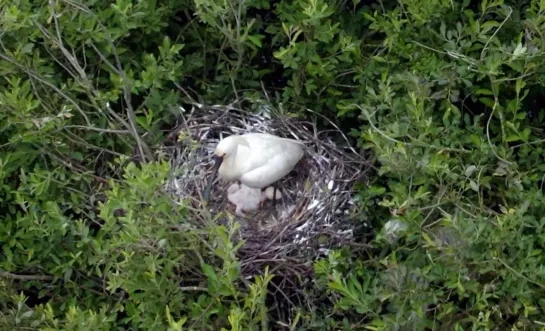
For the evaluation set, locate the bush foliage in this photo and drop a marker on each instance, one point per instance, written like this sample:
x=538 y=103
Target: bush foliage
x=446 y=95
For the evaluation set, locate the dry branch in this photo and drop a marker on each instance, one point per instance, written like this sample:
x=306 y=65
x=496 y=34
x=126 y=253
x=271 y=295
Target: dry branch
x=9 y=275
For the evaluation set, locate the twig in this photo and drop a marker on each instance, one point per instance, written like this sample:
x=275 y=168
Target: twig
x=143 y=149
x=193 y=288
x=488 y=131
x=418 y=143
x=43 y=81
x=9 y=275
x=495 y=32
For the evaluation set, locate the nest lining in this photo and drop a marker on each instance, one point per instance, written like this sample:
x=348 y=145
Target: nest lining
x=316 y=196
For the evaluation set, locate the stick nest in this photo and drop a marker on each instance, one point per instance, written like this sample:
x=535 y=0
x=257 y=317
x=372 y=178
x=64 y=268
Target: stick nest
x=315 y=208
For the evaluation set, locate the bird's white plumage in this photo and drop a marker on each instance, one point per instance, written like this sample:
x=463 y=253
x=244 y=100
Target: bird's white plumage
x=257 y=159
x=244 y=198
x=269 y=193
x=249 y=199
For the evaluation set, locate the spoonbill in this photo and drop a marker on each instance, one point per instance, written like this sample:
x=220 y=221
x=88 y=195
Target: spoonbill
x=249 y=199
x=245 y=198
x=255 y=160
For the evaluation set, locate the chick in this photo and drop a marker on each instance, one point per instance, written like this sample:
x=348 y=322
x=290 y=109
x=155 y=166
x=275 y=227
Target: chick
x=244 y=198
x=249 y=199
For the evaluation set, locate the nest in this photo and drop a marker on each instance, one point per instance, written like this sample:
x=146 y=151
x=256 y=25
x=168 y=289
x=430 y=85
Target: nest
x=313 y=215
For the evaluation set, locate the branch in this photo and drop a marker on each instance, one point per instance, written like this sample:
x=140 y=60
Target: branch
x=9 y=275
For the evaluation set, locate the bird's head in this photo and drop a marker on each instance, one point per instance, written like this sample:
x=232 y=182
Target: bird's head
x=225 y=148
x=228 y=146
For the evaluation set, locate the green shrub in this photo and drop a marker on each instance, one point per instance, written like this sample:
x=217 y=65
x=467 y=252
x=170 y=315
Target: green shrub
x=447 y=97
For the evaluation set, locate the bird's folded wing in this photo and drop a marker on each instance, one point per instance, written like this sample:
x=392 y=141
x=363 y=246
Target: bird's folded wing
x=275 y=168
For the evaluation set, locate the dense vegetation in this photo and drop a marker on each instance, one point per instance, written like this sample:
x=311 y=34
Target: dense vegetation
x=446 y=95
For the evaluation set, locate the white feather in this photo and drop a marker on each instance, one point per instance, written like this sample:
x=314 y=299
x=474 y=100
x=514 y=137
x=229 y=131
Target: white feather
x=257 y=159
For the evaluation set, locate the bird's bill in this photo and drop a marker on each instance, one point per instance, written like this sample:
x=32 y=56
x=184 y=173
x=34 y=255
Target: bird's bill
x=217 y=164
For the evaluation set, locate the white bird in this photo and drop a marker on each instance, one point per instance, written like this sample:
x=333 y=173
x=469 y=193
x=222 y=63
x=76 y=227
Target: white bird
x=256 y=160
x=249 y=199
x=245 y=198
x=269 y=192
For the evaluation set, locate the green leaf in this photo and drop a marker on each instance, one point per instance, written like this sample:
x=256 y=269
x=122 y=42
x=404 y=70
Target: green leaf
x=67 y=274
x=27 y=48
x=512 y=137
x=209 y=272
x=280 y=53
x=255 y=39
x=469 y=170
x=143 y=122
x=474 y=186
x=376 y=190
x=519 y=50
x=484 y=92
x=488 y=102
x=487 y=26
